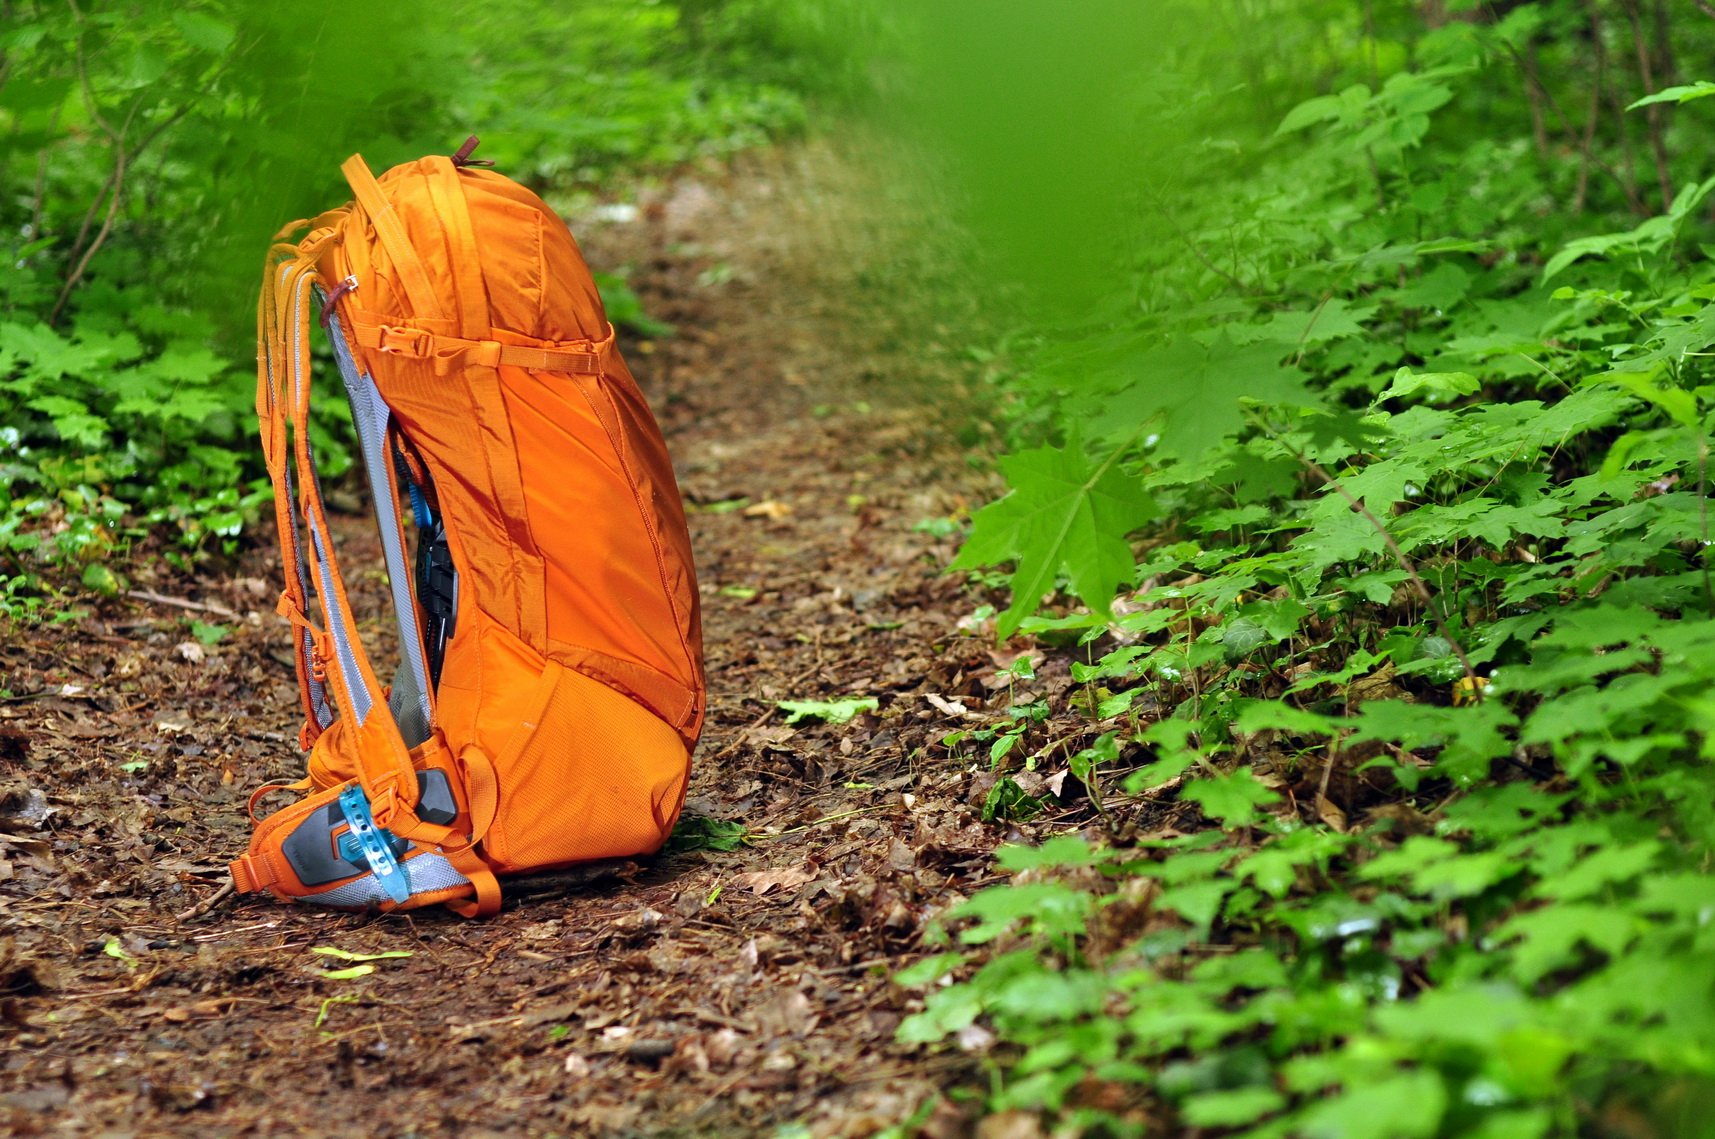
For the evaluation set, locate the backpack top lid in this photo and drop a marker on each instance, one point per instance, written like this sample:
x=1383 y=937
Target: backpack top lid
x=467 y=252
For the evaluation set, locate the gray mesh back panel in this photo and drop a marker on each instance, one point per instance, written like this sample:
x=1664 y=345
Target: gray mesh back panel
x=426 y=872
x=371 y=415
x=356 y=691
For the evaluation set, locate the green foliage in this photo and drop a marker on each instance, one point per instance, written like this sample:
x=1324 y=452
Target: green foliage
x=1407 y=378
x=698 y=832
x=838 y=711
x=148 y=150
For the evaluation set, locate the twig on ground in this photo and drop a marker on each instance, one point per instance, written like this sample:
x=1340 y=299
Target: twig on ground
x=226 y=891
x=182 y=603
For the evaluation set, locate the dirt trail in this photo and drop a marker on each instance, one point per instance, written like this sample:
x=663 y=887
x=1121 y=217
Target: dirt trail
x=699 y=992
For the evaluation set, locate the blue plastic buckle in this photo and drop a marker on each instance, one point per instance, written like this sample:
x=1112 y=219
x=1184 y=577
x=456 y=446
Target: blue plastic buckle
x=375 y=844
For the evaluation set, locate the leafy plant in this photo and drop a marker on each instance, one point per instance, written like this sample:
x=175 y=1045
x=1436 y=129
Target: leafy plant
x=1407 y=383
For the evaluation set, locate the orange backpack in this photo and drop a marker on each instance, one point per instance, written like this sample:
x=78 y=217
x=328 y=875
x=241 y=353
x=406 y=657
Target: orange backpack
x=551 y=688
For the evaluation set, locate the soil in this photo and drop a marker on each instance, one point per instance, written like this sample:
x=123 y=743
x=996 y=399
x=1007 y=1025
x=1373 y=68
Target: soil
x=699 y=992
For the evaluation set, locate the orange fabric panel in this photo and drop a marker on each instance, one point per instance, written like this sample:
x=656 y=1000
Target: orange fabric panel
x=589 y=774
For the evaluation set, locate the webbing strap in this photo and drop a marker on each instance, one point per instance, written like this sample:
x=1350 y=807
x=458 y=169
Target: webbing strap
x=482 y=795
x=579 y=357
x=399 y=248
x=446 y=190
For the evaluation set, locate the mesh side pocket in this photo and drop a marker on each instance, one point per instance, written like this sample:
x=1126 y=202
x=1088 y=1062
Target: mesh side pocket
x=588 y=775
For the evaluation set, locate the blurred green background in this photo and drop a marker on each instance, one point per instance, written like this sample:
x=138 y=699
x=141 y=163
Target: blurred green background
x=1358 y=346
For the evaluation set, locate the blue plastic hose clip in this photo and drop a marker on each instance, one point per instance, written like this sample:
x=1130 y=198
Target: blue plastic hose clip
x=375 y=844
x=420 y=505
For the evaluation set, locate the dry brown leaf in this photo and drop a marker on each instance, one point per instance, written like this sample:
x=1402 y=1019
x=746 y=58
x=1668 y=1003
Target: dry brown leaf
x=950 y=707
x=1329 y=813
x=787 y=1013
x=762 y=881
x=1011 y=1125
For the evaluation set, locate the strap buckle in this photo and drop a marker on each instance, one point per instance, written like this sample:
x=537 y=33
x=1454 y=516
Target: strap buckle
x=373 y=843
x=413 y=342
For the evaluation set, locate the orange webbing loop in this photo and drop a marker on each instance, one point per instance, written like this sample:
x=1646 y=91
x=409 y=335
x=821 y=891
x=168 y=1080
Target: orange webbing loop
x=281 y=271
x=405 y=260
x=482 y=794
x=487 y=900
x=269 y=788
x=578 y=357
x=250 y=874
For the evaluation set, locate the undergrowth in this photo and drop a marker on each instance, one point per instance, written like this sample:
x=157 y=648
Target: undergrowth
x=1395 y=450
x=149 y=150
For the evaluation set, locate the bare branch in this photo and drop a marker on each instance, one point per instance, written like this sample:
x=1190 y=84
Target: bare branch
x=1652 y=113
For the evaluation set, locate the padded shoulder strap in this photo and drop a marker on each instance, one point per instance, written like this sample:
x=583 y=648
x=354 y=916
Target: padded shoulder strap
x=393 y=237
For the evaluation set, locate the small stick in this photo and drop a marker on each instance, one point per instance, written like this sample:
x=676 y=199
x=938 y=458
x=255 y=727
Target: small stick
x=182 y=603
x=207 y=904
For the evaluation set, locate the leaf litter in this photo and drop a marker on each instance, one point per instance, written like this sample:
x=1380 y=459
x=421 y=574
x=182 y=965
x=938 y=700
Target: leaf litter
x=733 y=985
x=728 y=986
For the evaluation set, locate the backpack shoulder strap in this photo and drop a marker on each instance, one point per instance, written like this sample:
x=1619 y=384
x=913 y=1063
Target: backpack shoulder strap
x=336 y=658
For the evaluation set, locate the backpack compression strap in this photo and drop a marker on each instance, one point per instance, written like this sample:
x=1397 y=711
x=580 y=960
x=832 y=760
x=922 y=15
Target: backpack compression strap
x=393 y=237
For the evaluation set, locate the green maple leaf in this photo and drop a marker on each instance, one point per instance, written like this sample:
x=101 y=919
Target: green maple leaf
x=1196 y=392
x=1063 y=512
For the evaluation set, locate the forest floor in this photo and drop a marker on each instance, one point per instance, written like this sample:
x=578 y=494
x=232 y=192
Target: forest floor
x=736 y=992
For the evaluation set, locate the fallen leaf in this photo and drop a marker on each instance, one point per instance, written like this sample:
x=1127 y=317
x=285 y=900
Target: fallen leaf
x=975 y=1038
x=950 y=707
x=1331 y=814
x=173 y=723
x=829 y=711
x=644 y=918
x=1468 y=690
x=116 y=951
x=350 y=974
x=722 y=1047
x=1011 y=1125
x=190 y=652
x=787 y=1013
x=348 y=955
x=769 y=509
x=762 y=881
